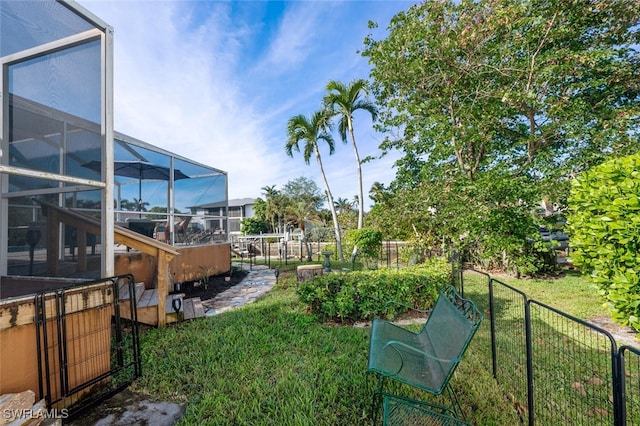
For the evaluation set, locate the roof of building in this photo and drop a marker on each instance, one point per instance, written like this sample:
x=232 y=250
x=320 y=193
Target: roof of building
x=241 y=202
x=236 y=202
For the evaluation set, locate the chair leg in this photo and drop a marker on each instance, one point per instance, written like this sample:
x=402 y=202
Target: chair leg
x=457 y=408
x=376 y=403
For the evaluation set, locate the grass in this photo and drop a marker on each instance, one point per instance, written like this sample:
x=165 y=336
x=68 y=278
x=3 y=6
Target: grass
x=271 y=363
x=571 y=293
x=571 y=364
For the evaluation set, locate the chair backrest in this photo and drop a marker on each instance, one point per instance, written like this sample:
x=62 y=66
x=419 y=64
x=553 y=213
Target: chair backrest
x=449 y=328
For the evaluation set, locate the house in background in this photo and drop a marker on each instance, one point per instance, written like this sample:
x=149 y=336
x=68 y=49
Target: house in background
x=238 y=209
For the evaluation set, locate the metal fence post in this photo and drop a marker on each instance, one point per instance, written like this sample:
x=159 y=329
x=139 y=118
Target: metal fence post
x=527 y=333
x=619 y=408
x=562 y=337
x=492 y=323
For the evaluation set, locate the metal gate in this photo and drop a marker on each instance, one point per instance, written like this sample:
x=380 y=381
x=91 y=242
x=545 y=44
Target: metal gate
x=86 y=351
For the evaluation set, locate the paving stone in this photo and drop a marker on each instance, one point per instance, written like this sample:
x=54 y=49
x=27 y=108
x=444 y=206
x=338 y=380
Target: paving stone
x=256 y=284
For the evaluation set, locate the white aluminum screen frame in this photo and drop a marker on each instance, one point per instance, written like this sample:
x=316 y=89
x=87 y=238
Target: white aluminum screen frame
x=104 y=33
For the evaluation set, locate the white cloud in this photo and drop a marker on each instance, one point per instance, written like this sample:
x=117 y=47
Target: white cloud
x=295 y=38
x=184 y=82
x=175 y=88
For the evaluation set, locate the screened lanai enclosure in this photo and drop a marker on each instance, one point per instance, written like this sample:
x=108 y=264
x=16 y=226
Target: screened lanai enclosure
x=68 y=181
x=95 y=226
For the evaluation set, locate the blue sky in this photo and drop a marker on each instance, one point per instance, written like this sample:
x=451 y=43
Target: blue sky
x=216 y=81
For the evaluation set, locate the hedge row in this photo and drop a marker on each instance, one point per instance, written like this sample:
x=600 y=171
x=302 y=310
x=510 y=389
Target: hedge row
x=365 y=294
x=604 y=221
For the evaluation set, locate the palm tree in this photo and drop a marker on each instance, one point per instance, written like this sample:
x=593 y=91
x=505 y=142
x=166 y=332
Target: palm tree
x=300 y=212
x=272 y=211
x=301 y=129
x=343 y=205
x=128 y=205
x=378 y=193
x=343 y=101
x=140 y=205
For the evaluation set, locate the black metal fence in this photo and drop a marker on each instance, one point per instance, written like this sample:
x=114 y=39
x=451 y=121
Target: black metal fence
x=555 y=368
x=392 y=254
x=86 y=351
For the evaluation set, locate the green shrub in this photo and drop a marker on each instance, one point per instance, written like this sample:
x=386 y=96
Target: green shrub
x=253 y=226
x=604 y=222
x=368 y=241
x=364 y=294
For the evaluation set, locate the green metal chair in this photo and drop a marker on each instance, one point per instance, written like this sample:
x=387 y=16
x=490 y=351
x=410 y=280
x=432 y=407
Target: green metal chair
x=400 y=411
x=424 y=360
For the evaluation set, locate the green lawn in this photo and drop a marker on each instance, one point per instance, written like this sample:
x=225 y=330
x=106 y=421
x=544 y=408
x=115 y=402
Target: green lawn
x=571 y=293
x=572 y=366
x=271 y=363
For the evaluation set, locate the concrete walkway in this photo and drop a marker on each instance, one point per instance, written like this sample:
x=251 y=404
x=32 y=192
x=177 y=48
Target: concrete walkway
x=256 y=284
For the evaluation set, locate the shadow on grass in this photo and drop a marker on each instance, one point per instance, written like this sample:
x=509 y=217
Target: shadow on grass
x=271 y=363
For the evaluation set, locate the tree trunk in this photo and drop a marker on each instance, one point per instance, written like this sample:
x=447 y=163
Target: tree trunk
x=360 y=191
x=354 y=254
x=308 y=247
x=332 y=207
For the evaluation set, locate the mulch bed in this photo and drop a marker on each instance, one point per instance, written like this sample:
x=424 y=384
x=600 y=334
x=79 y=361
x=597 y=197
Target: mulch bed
x=216 y=285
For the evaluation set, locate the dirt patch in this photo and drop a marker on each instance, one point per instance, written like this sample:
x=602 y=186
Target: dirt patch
x=405 y=318
x=623 y=335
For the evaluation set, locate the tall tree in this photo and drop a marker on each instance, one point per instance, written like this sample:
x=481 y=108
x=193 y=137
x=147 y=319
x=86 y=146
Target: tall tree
x=497 y=103
x=128 y=205
x=273 y=209
x=343 y=101
x=347 y=214
x=302 y=211
x=140 y=205
x=311 y=132
x=269 y=190
x=538 y=87
x=343 y=205
x=260 y=209
x=304 y=189
x=378 y=193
